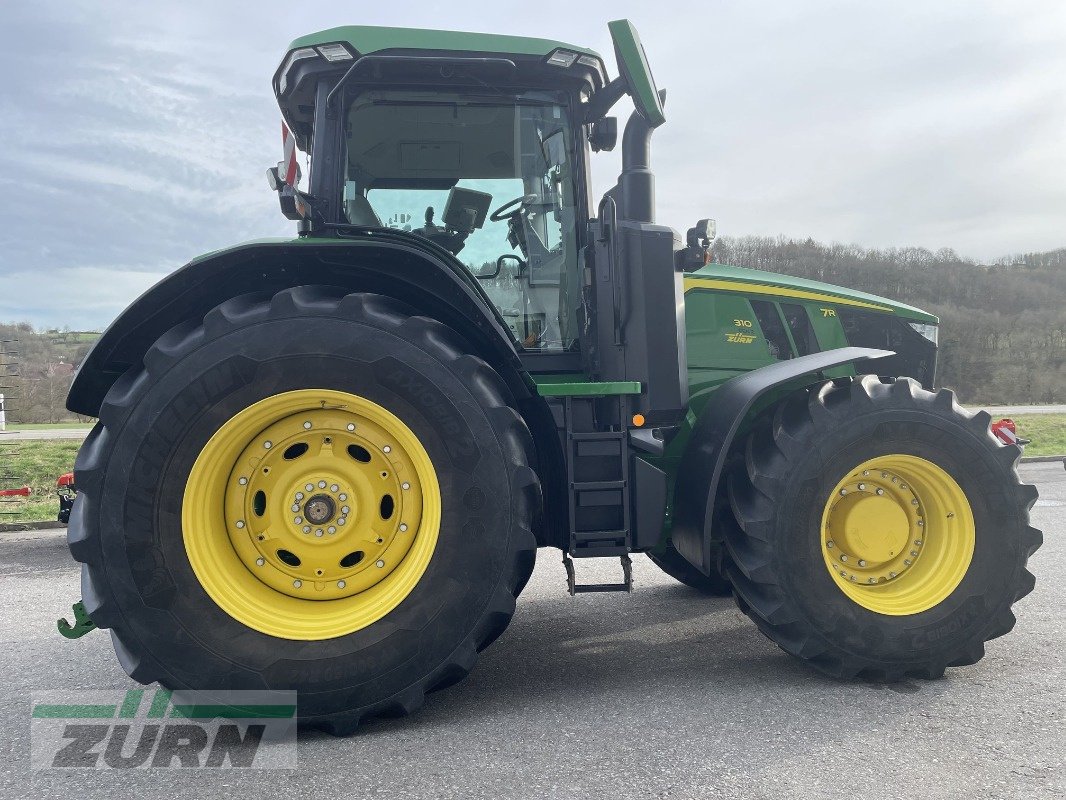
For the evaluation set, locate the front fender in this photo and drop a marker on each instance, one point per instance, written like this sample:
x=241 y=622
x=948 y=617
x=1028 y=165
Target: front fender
x=713 y=435
x=393 y=264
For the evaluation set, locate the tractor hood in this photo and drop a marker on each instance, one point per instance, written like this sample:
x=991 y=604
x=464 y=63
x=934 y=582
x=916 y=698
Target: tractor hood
x=753 y=281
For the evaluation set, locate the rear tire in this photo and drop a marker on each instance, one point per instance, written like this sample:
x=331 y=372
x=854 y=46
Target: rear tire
x=795 y=465
x=140 y=579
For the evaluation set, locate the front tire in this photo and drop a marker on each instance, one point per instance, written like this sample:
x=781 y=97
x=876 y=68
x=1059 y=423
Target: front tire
x=209 y=580
x=883 y=531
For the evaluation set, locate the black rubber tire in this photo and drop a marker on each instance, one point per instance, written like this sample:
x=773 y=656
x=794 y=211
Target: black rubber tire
x=795 y=458
x=132 y=470
x=676 y=566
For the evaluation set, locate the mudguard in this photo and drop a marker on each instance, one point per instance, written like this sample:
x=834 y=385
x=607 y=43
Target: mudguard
x=394 y=264
x=702 y=464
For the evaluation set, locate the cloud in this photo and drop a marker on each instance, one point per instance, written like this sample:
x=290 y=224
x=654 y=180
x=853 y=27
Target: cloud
x=136 y=136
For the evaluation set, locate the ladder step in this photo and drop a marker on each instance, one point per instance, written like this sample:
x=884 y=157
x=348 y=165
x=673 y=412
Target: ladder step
x=597 y=436
x=588 y=486
x=588 y=588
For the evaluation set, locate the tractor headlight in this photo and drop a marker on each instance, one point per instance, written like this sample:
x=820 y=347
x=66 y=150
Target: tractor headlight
x=335 y=52
x=294 y=56
x=562 y=58
x=926 y=330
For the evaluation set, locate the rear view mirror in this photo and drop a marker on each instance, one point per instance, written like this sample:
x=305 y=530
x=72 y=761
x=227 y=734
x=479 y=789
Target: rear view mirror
x=604 y=134
x=633 y=65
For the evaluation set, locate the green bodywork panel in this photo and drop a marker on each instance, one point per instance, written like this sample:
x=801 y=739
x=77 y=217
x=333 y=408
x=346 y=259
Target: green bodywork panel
x=366 y=39
x=771 y=284
x=567 y=386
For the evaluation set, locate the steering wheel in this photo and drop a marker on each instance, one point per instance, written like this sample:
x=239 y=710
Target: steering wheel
x=506 y=210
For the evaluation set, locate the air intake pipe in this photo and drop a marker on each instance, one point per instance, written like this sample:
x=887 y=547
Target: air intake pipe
x=637 y=183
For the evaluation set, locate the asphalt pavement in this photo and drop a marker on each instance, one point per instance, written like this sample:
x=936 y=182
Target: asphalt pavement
x=659 y=694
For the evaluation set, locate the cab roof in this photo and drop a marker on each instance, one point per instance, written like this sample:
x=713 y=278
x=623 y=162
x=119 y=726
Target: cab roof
x=366 y=39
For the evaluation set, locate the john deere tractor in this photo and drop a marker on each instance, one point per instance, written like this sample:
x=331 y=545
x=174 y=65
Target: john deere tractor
x=327 y=463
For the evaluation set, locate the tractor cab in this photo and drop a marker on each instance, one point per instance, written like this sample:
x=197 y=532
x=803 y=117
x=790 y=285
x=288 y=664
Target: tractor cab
x=480 y=144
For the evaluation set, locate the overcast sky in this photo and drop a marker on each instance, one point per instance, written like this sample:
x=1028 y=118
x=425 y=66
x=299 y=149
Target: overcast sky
x=136 y=135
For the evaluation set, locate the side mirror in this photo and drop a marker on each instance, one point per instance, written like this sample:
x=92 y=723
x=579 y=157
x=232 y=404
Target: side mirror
x=635 y=71
x=702 y=233
x=604 y=134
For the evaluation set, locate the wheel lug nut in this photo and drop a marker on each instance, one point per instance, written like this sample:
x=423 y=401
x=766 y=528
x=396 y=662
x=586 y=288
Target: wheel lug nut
x=307 y=425
x=907 y=562
x=386 y=449
x=914 y=553
x=880 y=491
x=242 y=481
x=297 y=584
x=921 y=523
x=342 y=497
x=914 y=502
x=334 y=488
x=299 y=495
x=307 y=528
x=321 y=484
x=862 y=563
x=319 y=532
x=403 y=526
x=310 y=487
x=341 y=521
x=918 y=542
x=865 y=472
x=295 y=507
x=298 y=520
x=260 y=561
x=843 y=557
x=405 y=486
x=873 y=580
x=341 y=584
x=851 y=578
x=331 y=529
x=379 y=563
x=862 y=487
x=267 y=445
x=829 y=544
x=240 y=523
x=892 y=574
x=843 y=492
x=345 y=509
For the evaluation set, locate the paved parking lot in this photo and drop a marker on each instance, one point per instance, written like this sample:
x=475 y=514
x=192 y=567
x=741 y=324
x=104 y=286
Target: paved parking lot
x=662 y=693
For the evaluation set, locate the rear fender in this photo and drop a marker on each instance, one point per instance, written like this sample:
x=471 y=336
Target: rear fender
x=420 y=275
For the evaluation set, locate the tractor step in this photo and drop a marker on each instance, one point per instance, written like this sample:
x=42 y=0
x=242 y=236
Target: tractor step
x=587 y=588
x=597 y=475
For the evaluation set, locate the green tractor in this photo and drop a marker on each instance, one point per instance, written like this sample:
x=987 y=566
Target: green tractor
x=327 y=463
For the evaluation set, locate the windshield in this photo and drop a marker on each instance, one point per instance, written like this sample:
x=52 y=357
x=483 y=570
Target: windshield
x=489 y=179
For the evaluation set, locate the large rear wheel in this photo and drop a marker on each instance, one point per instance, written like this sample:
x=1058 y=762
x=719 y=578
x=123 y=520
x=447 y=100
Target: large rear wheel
x=883 y=531
x=315 y=492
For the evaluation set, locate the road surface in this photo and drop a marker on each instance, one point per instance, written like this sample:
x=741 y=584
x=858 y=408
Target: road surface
x=659 y=694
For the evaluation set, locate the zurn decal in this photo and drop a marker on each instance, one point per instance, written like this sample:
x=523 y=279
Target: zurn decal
x=142 y=729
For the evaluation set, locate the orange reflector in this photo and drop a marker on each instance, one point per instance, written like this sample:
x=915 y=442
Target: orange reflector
x=638 y=420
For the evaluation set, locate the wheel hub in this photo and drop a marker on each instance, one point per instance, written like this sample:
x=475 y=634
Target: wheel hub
x=322 y=504
x=320 y=509
x=897 y=534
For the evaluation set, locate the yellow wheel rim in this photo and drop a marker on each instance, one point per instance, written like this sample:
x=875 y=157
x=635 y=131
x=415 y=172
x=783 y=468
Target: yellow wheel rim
x=311 y=514
x=898 y=534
